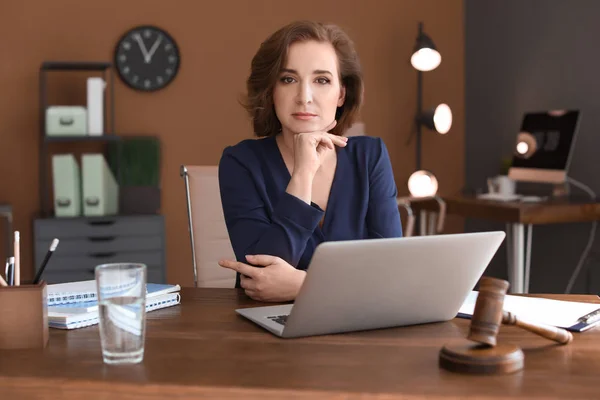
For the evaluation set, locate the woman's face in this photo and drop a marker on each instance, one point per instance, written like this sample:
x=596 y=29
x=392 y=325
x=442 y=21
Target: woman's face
x=308 y=90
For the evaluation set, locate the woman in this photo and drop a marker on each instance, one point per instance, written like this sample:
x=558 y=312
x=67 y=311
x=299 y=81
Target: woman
x=303 y=183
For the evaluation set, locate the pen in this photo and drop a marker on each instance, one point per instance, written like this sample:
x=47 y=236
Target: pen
x=17 y=255
x=10 y=275
x=53 y=246
x=590 y=317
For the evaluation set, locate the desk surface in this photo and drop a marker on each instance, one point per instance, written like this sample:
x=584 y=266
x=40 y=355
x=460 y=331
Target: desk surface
x=202 y=348
x=546 y=212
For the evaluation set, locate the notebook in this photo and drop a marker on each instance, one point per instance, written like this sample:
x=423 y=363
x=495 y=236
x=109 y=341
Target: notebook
x=152 y=290
x=563 y=314
x=84 y=291
x=71 y=292
x=74 y=320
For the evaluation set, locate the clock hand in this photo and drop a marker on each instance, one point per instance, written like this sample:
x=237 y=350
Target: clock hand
x=153 y=49
x=140 y=41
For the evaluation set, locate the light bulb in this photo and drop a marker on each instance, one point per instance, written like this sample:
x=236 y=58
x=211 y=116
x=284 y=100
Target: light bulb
x=442 y=118
x=422 y=184
x=426 y=59
x=526 y=145
x=522 y=148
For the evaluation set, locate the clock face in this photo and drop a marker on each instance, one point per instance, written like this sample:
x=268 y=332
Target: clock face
x=147 y=58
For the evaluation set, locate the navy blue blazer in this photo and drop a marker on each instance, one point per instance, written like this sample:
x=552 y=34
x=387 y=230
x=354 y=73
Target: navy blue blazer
x=262 y=218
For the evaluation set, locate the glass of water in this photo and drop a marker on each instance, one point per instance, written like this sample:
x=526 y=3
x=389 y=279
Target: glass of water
x=122 y=311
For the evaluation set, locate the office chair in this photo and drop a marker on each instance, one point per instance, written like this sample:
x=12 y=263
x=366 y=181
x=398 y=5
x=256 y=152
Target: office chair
x=436 y=219
x=410 y=222
x=206 y=224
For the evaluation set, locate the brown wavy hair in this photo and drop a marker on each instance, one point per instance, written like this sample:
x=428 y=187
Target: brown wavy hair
x=270 y=59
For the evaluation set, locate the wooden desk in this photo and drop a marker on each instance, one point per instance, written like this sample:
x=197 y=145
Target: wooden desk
x=203 y=349
x=519 y=218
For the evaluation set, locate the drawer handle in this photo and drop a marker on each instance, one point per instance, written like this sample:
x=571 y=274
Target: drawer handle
x=103 y=255
x=65 y=121
x=100 y=223
x=92 y=201
x=101 y=238
x=62 y=202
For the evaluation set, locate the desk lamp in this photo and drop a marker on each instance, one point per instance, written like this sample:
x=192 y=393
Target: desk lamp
x=544 y=148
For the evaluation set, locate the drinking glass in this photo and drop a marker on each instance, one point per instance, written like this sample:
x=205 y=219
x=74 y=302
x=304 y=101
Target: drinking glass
x=122 y=311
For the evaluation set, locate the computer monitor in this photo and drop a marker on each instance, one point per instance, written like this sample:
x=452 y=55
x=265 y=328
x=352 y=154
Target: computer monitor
x=544 y=146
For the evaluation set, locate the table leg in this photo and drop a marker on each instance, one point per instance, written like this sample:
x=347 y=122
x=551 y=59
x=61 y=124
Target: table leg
x=518 y=252
x=423 y=223
x=528 y=258
x=509 y=253
x=516 y=260
x=432 y=223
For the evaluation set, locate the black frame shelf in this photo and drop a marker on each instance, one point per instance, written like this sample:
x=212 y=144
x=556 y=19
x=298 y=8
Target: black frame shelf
x=73 y=139
x=74 y=66
x=109 y=135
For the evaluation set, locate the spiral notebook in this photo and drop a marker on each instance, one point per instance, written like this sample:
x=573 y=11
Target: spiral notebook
x=74 y=320
x=571 y=315
x=71 y=292
x=85 y=291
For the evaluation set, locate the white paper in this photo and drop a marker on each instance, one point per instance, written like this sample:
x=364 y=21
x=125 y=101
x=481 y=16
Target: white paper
x=563 y=314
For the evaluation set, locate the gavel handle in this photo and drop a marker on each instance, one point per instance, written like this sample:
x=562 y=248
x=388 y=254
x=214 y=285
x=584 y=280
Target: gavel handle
x=559 y=335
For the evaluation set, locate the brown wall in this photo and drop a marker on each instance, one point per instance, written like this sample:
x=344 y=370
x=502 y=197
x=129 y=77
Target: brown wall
x=198 y=115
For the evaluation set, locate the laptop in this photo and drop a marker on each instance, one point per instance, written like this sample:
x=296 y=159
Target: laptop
x=368 y=284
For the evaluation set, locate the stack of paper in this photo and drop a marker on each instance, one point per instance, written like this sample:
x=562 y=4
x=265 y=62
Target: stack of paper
x=66 y=310
x=563 y=314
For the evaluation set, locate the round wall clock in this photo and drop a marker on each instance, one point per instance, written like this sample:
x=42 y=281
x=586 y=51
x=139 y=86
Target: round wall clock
x=147 y=58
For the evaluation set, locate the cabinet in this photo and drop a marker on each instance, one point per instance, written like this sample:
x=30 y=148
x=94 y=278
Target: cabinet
x=88 y=242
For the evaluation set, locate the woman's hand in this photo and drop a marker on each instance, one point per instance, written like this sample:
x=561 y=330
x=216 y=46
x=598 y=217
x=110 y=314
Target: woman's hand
x=277 y=281
x=310 y=149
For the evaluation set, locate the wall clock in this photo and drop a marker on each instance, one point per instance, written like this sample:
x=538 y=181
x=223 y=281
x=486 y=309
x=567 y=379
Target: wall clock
x=147 y=58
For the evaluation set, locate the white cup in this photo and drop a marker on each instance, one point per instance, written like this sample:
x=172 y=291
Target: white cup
x=502 y=185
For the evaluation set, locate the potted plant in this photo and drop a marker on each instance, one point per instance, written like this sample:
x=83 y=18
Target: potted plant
x=136 y=162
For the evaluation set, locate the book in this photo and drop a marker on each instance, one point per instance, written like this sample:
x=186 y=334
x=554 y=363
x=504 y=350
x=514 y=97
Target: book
x=86 y=291
x=563 y=314
x=68 y=320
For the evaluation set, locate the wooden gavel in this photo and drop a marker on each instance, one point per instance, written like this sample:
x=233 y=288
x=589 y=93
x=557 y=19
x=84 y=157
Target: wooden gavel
x=489 y=314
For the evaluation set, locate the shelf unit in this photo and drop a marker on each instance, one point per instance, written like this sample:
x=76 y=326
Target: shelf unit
x=89 y=241
x=109 y=123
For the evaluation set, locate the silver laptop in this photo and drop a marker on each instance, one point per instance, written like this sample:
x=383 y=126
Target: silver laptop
x=381 y=283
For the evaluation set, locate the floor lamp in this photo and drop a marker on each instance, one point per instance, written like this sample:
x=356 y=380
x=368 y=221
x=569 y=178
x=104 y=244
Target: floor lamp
x=425 y=57
x=422 y=184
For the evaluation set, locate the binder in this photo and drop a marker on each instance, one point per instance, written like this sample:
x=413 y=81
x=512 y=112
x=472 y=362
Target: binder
x=570 y=315
x=66 y=181
x=100 y=188
x=95 y=106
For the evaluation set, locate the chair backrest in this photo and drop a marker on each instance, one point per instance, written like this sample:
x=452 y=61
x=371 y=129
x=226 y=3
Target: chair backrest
x=208 y=233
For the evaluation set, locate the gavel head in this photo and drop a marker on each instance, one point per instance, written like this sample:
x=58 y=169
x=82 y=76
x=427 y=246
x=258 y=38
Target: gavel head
x=487 y=316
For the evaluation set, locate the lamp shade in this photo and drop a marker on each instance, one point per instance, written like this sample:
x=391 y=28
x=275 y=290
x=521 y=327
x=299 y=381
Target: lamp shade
x=526 y=145
x=422 y=184
x=425 y=56
x=438 y=119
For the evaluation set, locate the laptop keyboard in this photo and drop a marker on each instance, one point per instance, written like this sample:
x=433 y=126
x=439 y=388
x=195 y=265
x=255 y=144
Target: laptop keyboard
x=280 y=319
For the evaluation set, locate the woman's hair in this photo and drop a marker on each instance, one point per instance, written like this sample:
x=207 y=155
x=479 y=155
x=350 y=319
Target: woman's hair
x=271 y=58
